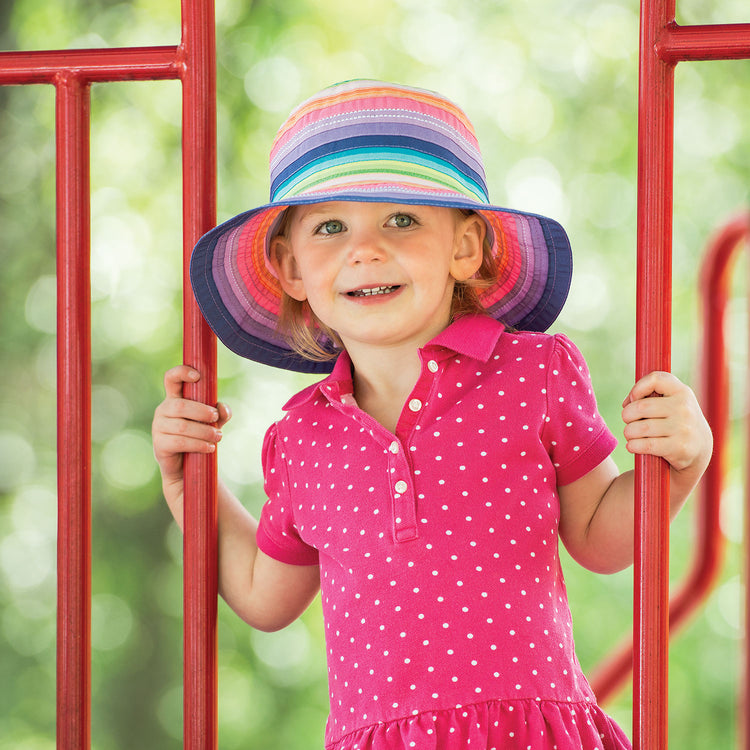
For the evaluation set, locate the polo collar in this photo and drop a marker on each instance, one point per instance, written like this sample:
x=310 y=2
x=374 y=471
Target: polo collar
x=474 y=336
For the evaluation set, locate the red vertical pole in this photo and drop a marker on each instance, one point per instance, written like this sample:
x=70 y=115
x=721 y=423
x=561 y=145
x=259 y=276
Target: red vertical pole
x=199 y=345
x=73 y=416
x=653 y=344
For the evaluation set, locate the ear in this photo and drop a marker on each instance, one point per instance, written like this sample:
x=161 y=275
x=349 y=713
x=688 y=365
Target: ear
x=284 y=263
x=468 y=247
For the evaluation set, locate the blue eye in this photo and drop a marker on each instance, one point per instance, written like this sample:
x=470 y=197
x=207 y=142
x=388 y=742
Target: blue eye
x=403 y=220
x=331 y=227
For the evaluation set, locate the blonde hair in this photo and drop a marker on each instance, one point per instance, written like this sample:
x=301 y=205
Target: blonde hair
x=307 y=335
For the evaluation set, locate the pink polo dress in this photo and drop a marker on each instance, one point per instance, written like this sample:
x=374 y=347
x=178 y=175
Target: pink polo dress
x=446 y=617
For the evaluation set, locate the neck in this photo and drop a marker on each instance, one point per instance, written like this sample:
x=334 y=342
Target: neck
x=386 y=373
x=383 y=380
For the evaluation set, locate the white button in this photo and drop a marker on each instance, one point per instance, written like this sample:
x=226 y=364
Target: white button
x=432 y=366
x=401 y=486
x=393 y=447
x=415 y=404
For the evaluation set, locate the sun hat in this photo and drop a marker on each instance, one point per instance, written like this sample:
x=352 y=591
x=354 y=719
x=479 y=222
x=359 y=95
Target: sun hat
x=378 y=142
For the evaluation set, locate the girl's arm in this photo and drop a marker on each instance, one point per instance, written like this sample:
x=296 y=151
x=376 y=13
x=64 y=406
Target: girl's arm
x=662 y=418
x=264 y=592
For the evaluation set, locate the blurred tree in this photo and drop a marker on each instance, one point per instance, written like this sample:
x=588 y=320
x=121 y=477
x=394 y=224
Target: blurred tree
x=551 y=87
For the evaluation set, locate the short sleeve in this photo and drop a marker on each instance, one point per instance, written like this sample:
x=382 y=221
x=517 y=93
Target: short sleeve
x=277 y=533
x=575 y=435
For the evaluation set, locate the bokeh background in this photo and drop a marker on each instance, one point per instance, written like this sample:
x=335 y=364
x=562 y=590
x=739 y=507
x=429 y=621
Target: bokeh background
x=551 y=86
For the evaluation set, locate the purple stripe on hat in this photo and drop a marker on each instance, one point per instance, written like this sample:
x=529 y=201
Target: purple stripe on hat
x=526 y=294
x=366 y=111
x=397 y=124
x=241 y=302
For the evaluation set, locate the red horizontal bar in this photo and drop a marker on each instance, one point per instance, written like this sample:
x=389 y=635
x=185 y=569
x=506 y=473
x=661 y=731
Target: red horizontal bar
x=710 y=42
x=92 y=65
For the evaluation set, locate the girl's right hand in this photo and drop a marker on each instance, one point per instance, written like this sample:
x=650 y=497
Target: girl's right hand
x=182 y=426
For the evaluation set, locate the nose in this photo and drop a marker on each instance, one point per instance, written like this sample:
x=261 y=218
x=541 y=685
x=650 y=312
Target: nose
x=366 y=246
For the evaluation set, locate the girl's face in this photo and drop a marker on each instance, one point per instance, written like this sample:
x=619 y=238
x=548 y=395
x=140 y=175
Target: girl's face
x=378 y=274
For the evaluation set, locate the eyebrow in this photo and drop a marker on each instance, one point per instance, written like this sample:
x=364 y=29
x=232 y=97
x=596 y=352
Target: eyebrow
x=317 y=212
x=312 y=213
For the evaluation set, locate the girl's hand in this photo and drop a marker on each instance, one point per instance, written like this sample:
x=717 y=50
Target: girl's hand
x=662 y=418
x=182 y=426
x=266 y=593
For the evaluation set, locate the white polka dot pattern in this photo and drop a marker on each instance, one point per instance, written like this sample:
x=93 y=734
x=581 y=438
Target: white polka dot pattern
x=438 y=546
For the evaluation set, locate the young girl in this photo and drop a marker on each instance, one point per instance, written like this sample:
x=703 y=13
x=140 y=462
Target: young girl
x=423 y=484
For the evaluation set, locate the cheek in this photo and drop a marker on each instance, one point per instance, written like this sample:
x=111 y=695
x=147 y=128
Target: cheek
x=317 y=281
x=434 y=270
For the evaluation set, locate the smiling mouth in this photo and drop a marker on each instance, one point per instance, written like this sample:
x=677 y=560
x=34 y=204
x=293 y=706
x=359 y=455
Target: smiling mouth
x=373 y=291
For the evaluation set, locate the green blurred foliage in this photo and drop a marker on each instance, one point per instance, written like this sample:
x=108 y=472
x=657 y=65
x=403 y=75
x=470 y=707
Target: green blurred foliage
x=551 y=86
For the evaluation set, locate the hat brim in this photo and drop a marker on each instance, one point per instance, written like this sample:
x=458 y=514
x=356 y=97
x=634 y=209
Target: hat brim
x=240 y=297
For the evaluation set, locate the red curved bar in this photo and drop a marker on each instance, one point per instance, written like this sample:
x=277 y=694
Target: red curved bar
x=715 y=274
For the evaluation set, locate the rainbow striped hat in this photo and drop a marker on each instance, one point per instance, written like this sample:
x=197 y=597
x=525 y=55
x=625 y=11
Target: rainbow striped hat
x=377 y=142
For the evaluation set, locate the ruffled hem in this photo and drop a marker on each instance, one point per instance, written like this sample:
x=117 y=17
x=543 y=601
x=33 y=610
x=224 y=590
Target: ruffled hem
x=498 y=725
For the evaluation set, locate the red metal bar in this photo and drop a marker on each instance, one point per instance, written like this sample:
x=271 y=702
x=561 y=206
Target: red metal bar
x=653 y=348
x=715 y=287
x=199 y=345
x=73 y=416
x=714 y=42
x=91 y=65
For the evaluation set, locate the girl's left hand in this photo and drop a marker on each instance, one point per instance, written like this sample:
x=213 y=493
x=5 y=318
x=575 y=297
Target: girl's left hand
x=662 y=418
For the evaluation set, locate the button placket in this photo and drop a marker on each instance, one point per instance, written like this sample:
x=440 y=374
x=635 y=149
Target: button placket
x=402 y=494
x=400 y=473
